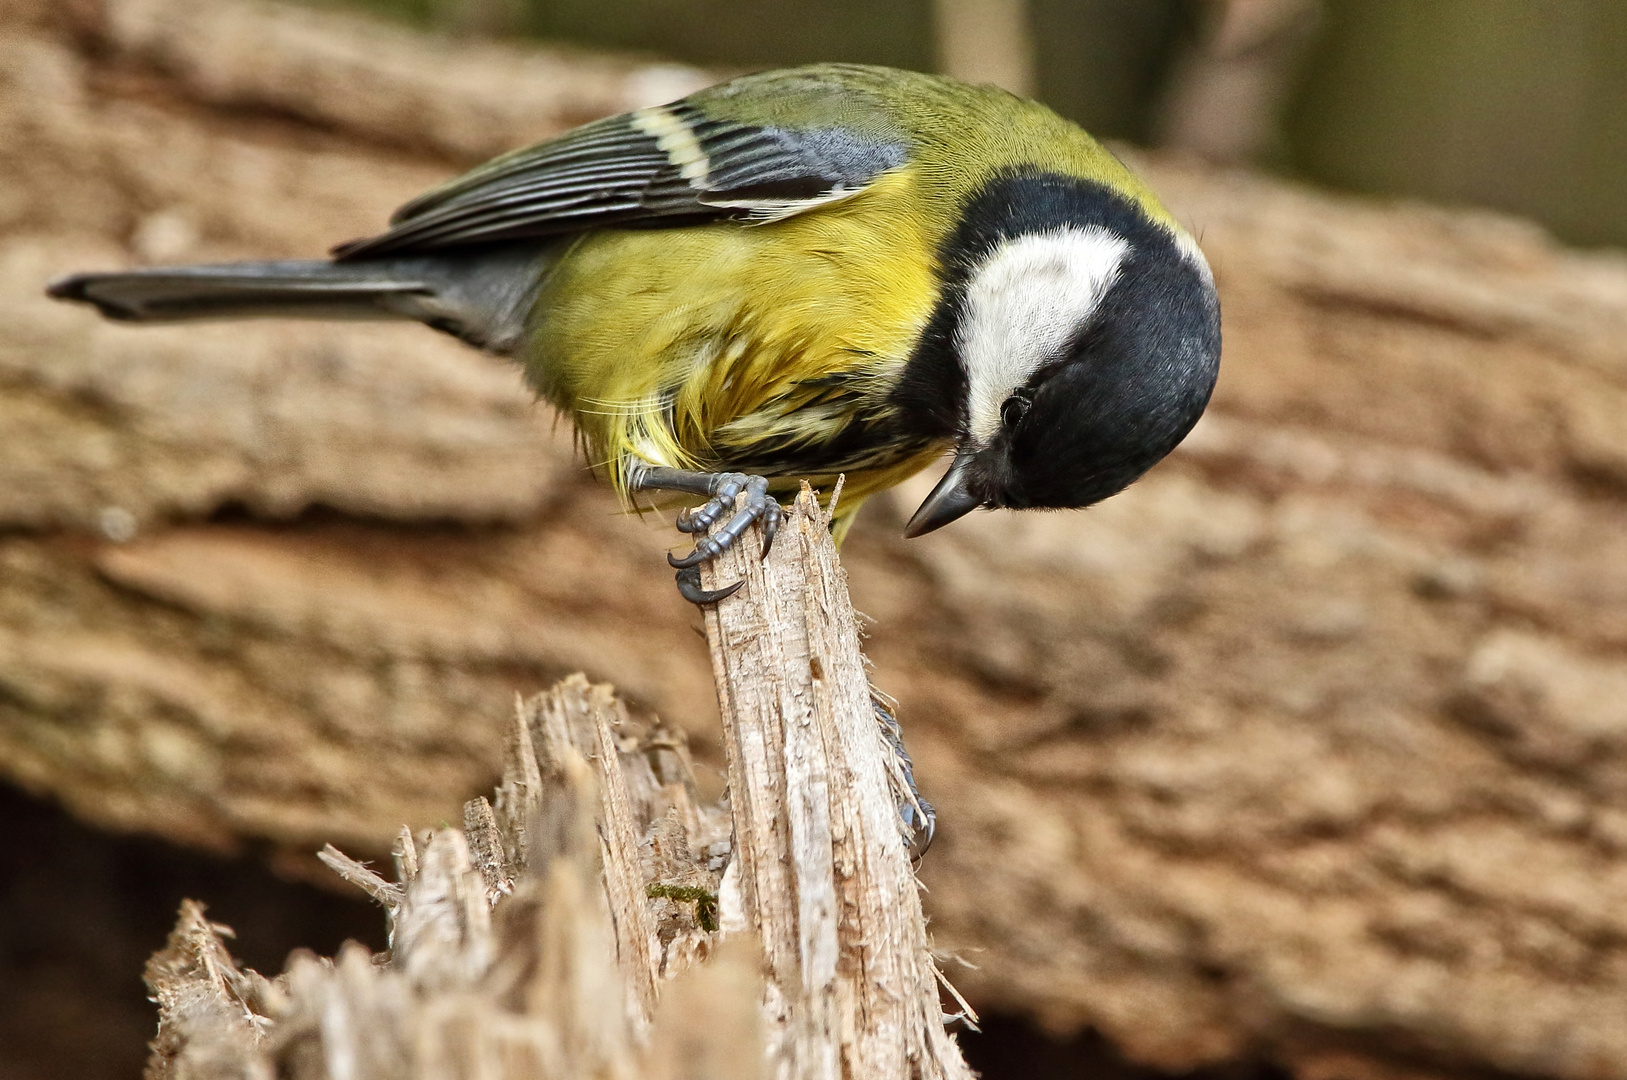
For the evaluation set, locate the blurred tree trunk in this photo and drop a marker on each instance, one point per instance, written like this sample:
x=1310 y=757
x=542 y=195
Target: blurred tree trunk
x=986 y=41
x=481 y=18
x=1231 y=85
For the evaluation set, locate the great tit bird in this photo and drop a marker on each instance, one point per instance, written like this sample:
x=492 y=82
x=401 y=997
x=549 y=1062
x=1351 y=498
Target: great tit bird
x=826 y=270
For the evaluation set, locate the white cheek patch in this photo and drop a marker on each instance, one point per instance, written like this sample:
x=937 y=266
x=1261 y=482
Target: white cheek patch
x=1023 y=305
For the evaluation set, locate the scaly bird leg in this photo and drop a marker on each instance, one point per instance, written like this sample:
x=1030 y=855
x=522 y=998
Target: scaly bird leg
x=919 y=816
x=722 y=490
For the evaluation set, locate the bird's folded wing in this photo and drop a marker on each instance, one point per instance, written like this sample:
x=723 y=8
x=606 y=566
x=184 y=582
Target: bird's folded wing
x=695 y=159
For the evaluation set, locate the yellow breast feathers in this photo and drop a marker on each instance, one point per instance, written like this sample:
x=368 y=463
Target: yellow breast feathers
x=677 y=346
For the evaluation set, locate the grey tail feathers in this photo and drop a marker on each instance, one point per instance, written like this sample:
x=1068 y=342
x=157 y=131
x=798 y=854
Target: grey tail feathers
x=483 y=296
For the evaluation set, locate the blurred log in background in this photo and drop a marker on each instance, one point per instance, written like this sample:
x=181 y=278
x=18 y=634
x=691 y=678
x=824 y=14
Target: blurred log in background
x=1307 y=751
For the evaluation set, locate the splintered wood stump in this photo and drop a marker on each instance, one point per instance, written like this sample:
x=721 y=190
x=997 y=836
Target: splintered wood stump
x=597 y=920
x=822 y=865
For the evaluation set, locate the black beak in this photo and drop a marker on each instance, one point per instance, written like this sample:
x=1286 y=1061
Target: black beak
x=951 y=499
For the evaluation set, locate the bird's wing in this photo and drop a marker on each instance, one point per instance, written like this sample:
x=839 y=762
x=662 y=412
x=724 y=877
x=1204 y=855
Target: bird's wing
x=821 y=138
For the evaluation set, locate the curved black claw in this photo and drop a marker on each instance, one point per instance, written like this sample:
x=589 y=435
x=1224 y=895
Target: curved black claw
x=772 y=517
x=689 y=587
x=705 y=548
x=922 y=821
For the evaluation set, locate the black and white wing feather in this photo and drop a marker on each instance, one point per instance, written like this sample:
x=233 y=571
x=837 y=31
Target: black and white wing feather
x=672 y=164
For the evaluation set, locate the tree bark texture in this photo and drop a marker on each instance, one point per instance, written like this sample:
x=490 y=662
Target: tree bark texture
x=537 y=940
x=1310 y=748
x=529 y=943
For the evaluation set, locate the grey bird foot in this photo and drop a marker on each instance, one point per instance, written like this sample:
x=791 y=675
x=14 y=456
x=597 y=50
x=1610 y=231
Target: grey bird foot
x=721 y=490
x=918 y=815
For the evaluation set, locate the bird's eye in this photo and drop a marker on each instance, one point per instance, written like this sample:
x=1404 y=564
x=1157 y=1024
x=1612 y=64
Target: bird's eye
x=1015 y=406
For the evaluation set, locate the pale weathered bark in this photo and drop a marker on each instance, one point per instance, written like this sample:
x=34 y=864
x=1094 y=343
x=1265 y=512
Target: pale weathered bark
x=1308 y=748
x=535 y=941
x=825 y=875
x=529 y=943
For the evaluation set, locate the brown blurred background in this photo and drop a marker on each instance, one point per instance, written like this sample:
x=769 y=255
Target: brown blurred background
x=1307 y=756
x=1519 y=105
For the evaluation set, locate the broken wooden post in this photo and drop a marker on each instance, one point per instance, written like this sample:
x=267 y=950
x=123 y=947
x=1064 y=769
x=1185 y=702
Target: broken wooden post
x=821 y=859
x=583 y=925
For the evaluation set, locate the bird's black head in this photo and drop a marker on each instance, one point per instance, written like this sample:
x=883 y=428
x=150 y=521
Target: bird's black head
x=1075 y=343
